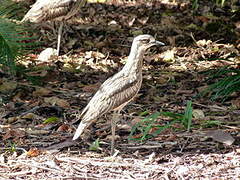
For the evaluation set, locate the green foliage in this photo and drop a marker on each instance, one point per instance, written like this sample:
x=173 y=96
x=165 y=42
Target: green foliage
x=95 y=145
x=229 y=83
x=51 y=120
x=11 y=10
x=144 y=126
x=27 y=72
x=211 y=123
x=220 y=2
x=187 y=118
x=35 y=80
x=14 y=39
x=11 y=147
x=195 y=3
x=147 y=124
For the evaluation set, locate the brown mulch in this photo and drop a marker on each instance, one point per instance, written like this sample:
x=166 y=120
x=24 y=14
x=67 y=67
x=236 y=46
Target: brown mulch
x=151 y=166
x=40 y=106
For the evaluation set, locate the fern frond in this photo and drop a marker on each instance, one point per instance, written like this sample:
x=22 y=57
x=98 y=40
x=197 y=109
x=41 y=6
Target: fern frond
x=11 y=10
x=14 y=41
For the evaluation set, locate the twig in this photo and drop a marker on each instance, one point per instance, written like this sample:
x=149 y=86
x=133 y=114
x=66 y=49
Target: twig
x=29 y=111
x=18 y=173
x=214 y=107
x=17 y=148
x=54 y=90
x=184 y=145
x=160 y=145
x=40 y=167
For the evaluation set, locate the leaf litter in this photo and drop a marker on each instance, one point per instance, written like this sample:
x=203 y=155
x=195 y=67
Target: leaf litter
x=97 y=42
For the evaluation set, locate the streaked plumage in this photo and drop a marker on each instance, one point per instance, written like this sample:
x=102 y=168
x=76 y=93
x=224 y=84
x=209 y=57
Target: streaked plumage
x=60 y=10
x=45 y=10
x=119 y=89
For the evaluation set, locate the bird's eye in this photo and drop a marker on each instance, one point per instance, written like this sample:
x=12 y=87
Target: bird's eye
x=145 y=41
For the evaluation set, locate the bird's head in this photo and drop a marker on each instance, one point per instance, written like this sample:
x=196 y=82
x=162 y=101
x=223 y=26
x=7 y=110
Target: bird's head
x=143 y=42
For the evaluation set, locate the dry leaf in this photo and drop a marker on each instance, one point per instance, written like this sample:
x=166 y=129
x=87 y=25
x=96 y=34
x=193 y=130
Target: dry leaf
x=40 y=73
x=220 y=136
x=130 y=23
x=33 y=152
x=30 y=116
x=14 y=134
x=136 y=32
x=198 y=114
x=47 y=54
x=238 y=150
x=41 y=92
x=7 y=87
x=203 y=42
x=95 y=54
x=71 y=43
x=91 y=88
x=37 y=131
x=236 y=103
x=57 y=101
x=168 y=56
x=64 y=128
x=143 y=20
x=11 y=120
x=203 y=18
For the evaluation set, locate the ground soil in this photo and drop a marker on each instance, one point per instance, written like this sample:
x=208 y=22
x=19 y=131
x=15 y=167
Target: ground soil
x=40 y=106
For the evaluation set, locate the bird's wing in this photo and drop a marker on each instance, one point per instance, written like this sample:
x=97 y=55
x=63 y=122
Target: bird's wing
x=114 y=92
x=44 y=10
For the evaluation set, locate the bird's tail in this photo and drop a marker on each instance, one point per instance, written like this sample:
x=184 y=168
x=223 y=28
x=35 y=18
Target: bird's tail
x=81 y=127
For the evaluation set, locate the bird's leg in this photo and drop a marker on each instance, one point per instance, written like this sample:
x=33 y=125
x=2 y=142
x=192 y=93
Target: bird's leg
x=59 y=38
x=114 y=121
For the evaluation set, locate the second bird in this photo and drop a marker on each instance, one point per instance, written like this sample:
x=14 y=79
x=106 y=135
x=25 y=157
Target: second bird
x=48 y=10
x=118 y=90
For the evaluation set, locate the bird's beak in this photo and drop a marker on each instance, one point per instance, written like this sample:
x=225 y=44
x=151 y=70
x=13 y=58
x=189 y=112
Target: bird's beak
x=158 y=43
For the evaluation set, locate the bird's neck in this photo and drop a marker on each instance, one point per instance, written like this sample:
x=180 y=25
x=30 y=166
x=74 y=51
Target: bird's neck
x=134 y=61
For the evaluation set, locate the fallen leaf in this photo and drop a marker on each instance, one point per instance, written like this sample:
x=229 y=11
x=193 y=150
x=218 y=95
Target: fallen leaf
x=41 y=92
x=57 y=101
x=198 y=114
x=94 y=54
x=71 y=43
x=238 y=150
x=168 y=56
x=51 y=120
x=203 y=18
x=37 y=131
x=236 y=103
x=39 y=73
x=47 y=54
x=7 y=87
x=136 y=32
x=64 y=128
x=203 y=42
x=220 y=136
x=14 y=134
x=11 y=120
x=33 y=152
x=143 y=20
x=30 y=116
x=130 y=23
x=92 y=88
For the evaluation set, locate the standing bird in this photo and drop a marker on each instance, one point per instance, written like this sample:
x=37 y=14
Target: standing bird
x=60 y=10
x=118 y=90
